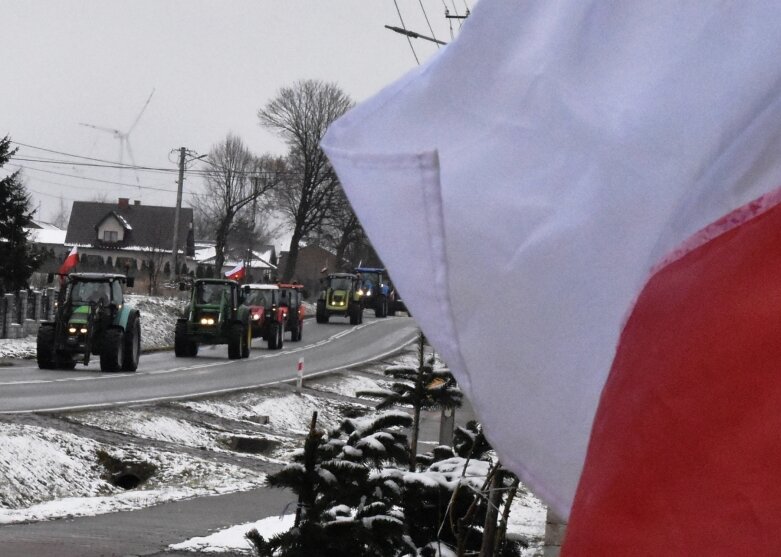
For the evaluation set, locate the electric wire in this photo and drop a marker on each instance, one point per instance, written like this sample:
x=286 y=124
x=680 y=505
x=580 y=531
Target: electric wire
x=409 y=40
x=111 y=182
x=425 y=15
x=68 y=154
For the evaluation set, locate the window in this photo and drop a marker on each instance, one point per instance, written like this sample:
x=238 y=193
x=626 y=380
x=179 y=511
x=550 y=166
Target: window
x=110 y=235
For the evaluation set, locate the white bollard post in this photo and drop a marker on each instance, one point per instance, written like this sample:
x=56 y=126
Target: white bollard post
x=300 y=378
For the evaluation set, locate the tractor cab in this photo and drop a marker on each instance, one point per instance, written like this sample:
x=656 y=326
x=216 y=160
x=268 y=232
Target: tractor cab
x=341 y=294
x=92 y=318
x=268 y=316
x=292 y=297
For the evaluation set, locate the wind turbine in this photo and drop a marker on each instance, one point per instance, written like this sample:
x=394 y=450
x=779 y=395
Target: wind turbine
x=124 y=139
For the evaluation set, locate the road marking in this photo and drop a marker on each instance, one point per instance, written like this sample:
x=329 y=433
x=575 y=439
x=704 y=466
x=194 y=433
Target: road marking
x=216 y=391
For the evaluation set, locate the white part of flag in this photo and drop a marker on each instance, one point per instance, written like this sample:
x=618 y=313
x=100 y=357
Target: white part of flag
x=535 y=171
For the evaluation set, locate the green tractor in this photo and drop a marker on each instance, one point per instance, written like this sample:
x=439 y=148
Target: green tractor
x=215 y=315
x=340 y=295
x=91 y=318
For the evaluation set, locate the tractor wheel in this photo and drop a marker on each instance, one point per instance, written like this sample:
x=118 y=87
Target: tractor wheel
x=392 y=308
x=321 y=315
x=235 y=340
x=273 y=336
x=132 y=348
x=45 y=347
x=281 y=342
x=247 y=347
x=380 y=308
x=295 y=332
x=355 y=314
x=183 y=347
x=111 y=353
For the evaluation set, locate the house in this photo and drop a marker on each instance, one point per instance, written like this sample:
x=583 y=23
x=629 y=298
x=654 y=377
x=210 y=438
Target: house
x=261 y=263
x=312 y=263
x=134 y=239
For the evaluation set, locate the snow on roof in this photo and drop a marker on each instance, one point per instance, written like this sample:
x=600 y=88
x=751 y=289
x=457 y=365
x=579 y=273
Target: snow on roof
x=208 y=255
x=122 y=220
x=52 y=235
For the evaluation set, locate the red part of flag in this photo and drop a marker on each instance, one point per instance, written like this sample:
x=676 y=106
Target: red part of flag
x=69 y=263
x=237 y=273
x=685 y=452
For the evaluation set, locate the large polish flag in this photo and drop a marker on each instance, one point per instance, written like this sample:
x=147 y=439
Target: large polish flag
x=588 y=191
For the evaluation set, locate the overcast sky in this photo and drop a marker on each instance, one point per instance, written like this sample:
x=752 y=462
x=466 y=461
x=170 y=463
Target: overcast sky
x=211 y=66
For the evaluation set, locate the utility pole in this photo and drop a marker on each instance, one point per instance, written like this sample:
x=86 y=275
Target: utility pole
x=175 y=249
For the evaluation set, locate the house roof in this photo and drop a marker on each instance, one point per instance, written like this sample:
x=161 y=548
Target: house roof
x=45 y=233
x=206 y=254
x=147 y=226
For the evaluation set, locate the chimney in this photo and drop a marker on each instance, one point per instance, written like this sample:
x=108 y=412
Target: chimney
x=136 y=202
x=124 y=202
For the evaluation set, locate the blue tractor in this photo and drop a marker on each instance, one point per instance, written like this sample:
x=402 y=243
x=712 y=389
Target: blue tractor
x=378 y=291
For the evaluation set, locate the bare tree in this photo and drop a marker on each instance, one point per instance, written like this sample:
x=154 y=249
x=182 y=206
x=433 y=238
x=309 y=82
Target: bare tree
x=301 y=114
x=61 y=217
x=342 y=232
x=229 y=189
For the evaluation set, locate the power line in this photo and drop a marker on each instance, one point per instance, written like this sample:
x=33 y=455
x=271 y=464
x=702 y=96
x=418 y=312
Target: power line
x=93 y=165
x=409 y=40
x=69 y=154
x=90 y=179
x=425 y=15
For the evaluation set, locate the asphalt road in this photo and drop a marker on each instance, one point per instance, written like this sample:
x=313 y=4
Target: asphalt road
x=162 y=376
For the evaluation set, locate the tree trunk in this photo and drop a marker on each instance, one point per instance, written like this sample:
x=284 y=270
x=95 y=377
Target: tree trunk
x=491 y=513
x=219 y=249
x=292 y=257
x=413 y=455
x=501 y=534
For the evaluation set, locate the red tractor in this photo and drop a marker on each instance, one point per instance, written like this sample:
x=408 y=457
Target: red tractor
x=292 y=297
x=267 y=316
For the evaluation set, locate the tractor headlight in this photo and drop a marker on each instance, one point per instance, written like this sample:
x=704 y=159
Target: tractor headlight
x=207 y=321
x=83 y=330
x=369 y=292
x=72 y=330
x=255 y=316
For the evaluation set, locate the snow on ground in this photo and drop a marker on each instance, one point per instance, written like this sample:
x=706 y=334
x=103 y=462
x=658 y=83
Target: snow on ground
x=54 y=474
x=17 y=347
x=286 y=412
x=348 y=386
x=232 y=539
x=158 y=318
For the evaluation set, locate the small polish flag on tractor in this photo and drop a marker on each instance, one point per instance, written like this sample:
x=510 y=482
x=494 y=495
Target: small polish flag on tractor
x=237 y=273
x=69 y=263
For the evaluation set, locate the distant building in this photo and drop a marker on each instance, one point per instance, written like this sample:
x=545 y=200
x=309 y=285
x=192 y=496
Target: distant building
x=130 y=238
x=312 y=263
x=261 y=263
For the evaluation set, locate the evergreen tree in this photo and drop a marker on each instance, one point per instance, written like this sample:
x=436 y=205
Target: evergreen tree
x=422 y=387
x=18 y=258
x=347 y=506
